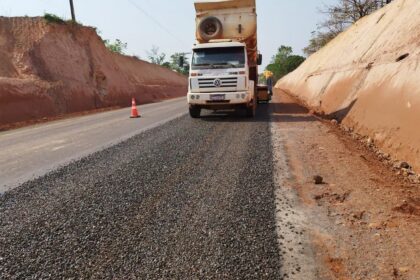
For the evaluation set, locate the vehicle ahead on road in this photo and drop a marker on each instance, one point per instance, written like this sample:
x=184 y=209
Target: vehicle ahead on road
x=265 y=91
x=225 y=58
x=263 y=94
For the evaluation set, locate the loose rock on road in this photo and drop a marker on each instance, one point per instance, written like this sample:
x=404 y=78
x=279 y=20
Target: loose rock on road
x=189 y=199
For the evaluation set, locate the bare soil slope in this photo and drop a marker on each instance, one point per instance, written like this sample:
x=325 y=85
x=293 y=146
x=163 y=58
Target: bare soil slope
x=49 y=69
x=369 y=79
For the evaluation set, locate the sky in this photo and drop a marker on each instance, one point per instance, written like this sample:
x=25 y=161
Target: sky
x=170 y=25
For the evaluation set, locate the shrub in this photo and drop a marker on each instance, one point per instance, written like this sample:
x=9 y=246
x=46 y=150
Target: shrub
x=51 y=18
x=117 y=47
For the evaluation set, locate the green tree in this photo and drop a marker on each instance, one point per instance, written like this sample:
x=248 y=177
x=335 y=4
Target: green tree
x=261 y=79
x=117 y=47
x=284 y=62
x=282 y=53
x=174 y=63
x=293 y=62
x=157 y=57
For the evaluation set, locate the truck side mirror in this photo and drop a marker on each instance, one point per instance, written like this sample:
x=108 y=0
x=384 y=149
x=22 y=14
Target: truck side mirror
x=181 y=61
x=259 y=59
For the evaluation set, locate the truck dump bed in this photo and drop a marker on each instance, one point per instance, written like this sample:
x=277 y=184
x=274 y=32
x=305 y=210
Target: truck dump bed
x=206 y=5
x=238 y=20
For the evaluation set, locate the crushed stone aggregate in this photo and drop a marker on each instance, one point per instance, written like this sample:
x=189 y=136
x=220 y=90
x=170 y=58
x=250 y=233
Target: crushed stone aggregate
x=191 y=199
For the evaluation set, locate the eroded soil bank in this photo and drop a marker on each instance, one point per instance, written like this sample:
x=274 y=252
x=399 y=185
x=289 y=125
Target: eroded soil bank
x=363 y=222
x=50 y=69
x=368 y=79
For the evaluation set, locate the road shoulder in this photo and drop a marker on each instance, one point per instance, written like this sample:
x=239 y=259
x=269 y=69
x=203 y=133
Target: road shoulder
x=359 y=220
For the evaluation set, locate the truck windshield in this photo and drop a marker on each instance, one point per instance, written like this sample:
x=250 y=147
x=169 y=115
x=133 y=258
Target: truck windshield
x=218 y=58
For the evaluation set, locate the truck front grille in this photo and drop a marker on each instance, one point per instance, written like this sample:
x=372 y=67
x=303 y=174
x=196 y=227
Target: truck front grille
x=224 y=82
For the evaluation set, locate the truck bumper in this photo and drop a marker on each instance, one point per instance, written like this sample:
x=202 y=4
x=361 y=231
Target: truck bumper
x=214 y=99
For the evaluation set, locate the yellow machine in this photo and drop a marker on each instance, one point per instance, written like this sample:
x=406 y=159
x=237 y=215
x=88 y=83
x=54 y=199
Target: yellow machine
x=268 y=74
x=266 y=91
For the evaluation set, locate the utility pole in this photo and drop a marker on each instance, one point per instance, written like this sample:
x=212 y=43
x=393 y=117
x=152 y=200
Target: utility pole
x=73 y=16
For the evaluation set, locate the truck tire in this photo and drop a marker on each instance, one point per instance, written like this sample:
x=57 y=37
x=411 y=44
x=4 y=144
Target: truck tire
x=195 y=112
x=250 y=111
x=210 y=28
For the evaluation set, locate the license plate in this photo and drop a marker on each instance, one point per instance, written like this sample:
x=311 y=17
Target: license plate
x=217 y=97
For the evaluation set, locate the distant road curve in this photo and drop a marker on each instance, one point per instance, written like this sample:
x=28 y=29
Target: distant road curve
x=33 y=151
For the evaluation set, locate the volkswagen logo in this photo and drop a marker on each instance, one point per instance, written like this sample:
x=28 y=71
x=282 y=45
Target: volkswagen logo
x=217 y=83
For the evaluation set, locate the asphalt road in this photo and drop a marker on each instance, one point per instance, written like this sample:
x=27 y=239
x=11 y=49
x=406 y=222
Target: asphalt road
x=189 y=199
x=33 y=151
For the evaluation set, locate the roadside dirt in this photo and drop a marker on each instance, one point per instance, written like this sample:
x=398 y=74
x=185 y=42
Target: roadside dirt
x=11 y=126
x=67 y=116
x=364 y=221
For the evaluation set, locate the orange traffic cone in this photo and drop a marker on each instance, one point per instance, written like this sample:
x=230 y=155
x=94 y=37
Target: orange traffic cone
x=134 y=112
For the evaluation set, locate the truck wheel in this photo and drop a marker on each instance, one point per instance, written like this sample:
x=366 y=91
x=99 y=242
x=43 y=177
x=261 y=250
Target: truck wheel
x=250 y=111
x=195 y=112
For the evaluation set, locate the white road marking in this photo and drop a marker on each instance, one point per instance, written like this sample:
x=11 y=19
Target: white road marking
x=57 y=148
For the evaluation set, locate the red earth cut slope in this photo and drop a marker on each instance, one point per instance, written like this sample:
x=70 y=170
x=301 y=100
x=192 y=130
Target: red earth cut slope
x=49 y=69
x=369 y=79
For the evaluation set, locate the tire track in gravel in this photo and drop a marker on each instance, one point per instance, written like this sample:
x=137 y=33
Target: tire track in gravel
x=191 y=199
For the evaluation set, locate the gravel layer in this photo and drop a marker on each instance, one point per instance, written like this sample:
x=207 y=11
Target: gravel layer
x=192 y=199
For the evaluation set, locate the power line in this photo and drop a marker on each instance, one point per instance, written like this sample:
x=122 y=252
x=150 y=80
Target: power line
x=157 y=22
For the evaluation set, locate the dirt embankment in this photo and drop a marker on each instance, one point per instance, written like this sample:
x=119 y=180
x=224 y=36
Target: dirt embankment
x=368 y=79
x=50 y=69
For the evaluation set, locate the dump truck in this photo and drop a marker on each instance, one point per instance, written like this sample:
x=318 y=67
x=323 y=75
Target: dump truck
x=224 y=60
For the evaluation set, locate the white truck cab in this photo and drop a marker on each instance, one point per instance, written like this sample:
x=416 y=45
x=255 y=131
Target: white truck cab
x=219 y=77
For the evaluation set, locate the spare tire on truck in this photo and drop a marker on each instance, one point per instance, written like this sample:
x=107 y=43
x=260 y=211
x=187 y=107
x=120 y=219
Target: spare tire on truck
x=210 y=28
